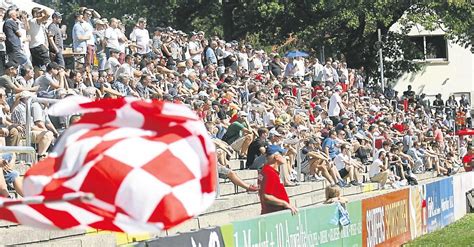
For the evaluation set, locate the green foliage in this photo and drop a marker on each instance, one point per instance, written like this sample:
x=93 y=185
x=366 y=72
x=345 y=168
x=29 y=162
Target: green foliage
x=343 y=28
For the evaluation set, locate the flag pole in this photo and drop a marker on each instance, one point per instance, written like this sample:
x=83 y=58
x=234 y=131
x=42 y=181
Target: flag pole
x=31 y=200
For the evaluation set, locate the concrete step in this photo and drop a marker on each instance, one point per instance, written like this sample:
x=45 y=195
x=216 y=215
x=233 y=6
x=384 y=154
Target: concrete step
x=243 y=174
x=99 y=240
x=237 y=164
x=24 y=235
x=6 y=224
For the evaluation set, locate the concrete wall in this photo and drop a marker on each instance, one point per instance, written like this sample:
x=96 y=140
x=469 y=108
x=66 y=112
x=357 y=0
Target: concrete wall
x=437 y=76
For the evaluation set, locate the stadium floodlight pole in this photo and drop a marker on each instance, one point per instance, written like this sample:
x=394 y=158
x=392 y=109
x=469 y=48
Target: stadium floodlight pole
x=381 y=59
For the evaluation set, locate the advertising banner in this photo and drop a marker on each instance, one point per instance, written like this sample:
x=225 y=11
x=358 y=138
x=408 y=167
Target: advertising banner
x=209 y=237
x=385 y=219
x=417 y=212
x=462 y=183
x=447 y=201
x=440 y=203
x=313 y=226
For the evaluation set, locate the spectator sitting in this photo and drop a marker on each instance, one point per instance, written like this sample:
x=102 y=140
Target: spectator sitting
x=256 y=151
x=10 y=176
x=234 y=137
x=346 y=166
x=379 y=171
x=53 y=79
x=39 y=135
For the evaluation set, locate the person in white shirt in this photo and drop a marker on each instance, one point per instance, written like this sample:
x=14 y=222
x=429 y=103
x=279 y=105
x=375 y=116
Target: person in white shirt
x=345 y=165
x=111 y=37
x=243 y=59
x=141 y=37
x=113 y=63
x=335 y=106
x=378 y=171
x=328 y=75
x=39 y=41
x=89 y=31
x=195 y=49
x=317 y=71
x=126 y=68
x=299 y=67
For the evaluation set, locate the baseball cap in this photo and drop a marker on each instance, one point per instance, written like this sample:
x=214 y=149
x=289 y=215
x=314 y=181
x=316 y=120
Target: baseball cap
x=52 y=65
x=56 y=14
x=274 y=132
x=338 y=88
x=243 y=113
x=272 y=149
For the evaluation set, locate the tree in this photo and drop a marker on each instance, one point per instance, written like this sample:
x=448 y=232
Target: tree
x=346 y=29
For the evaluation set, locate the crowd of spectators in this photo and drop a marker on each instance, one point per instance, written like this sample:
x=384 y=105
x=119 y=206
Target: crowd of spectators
x=320 y=115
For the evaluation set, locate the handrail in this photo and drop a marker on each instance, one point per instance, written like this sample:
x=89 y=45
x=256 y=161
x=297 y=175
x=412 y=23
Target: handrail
x=20 y=149
x=29 y=102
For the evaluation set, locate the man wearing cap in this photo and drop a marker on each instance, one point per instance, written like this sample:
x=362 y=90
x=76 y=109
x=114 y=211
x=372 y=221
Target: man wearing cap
x=335 y=105
x=272 y=193
x=141 y=38
x=99 y=36
x=55 y=39
x=48 y=83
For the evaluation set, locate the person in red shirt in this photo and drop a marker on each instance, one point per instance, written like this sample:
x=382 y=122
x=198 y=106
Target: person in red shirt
x=273 y=196
x=468 y=160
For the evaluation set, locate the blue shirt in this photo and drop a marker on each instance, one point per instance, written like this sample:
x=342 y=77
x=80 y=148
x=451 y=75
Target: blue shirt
x=78 y=45
x=331 y=145
x=211 y=56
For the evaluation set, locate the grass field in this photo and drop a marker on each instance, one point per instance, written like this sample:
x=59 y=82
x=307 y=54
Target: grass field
x=460 y=234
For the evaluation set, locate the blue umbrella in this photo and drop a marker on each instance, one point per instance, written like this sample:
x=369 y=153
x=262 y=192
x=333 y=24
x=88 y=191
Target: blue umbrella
x=296 y=54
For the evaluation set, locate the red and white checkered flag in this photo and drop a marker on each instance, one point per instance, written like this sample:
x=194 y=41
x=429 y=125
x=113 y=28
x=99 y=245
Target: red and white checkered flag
x=150 y=165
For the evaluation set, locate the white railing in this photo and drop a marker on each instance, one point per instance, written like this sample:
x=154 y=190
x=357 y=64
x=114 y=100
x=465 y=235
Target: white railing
x=29 y=102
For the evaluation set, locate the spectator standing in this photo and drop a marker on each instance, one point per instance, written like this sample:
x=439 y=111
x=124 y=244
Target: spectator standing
x=89 y=32
x=55 y=38
x=141 y=37
x=112 y=37
x=336 y=106
x=39 y=41
x=317 y=72
x=79 y=36
x=195 y=48
x=273 y=196
x=99 y=36
x=3 y=49
x=12 y=38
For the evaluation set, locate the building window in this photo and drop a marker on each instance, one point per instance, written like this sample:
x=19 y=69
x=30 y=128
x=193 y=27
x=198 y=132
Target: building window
x=433 y=47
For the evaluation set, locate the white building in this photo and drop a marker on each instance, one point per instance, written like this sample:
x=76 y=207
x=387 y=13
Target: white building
x=447 y=68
